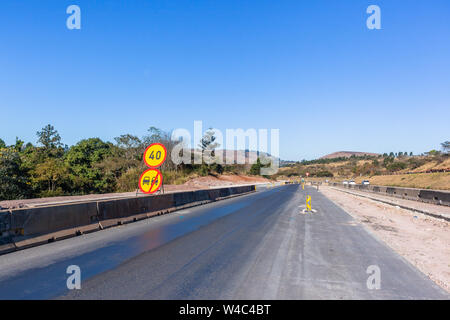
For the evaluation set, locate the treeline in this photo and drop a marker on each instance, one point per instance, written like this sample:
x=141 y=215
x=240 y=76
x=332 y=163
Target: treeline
x=92 y=165
x=337 y=159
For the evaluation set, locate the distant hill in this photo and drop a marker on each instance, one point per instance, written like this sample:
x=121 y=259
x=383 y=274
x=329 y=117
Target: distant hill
x=348 y=154
x=232 y=156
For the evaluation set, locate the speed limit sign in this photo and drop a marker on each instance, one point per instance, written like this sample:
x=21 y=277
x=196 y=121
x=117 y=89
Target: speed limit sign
x=155 y=155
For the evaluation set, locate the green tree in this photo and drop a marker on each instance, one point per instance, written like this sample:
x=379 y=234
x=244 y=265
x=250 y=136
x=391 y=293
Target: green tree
x=255 y=169
x=154 y=135
x=83 y=159
x=446 y=146
x=387 y=161
x=433 y=153
x=49 y=137
x=131 y=145
x=396 y=166
x=14 y=181
x=52 y=177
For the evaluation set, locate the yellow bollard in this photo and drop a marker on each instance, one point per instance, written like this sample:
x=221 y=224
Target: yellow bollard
x=303 y=186
x=308 y=204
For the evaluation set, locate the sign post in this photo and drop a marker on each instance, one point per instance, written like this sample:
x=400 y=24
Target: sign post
x=151 y=179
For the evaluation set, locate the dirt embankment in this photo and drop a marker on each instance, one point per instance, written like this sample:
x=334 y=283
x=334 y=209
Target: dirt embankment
x=224 y=180
x=423 y=240
x=193 y=184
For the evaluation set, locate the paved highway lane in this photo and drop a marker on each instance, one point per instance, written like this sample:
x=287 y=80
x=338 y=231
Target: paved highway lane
x=258 y=246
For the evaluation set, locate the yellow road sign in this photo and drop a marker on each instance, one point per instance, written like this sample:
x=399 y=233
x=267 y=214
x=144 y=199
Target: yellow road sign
x=155 y=155
x=150 y=181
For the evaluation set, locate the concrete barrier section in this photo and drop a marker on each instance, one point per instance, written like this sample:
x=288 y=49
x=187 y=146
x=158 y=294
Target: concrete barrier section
x=423 y=195
x=121 y=208
x=5 y=223
x=438 y=197
x=201 y=195
x=183 y=198
x=23 y=226
x=38 y=221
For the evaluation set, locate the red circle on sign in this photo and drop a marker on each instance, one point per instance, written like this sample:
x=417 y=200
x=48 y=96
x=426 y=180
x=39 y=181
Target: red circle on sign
x=159 y=174
x=154 y=144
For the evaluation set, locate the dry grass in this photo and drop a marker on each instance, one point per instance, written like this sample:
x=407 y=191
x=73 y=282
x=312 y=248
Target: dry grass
x=438 y=180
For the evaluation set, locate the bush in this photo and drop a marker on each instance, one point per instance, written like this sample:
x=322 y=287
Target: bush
x=396 y=166
x=217 y=167
x=324 y=173
x=203 y=170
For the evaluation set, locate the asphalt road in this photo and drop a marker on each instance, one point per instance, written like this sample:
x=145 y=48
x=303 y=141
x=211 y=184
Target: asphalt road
x=258 y=246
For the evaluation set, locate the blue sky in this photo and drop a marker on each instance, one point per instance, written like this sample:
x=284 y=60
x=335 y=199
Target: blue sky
x=309 y=68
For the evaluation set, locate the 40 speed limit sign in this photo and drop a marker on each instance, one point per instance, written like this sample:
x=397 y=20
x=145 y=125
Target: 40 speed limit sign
x=151 y=179
x=155 y=155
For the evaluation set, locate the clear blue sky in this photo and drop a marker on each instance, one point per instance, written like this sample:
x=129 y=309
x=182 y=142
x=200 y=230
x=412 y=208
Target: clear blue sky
x=310 y=68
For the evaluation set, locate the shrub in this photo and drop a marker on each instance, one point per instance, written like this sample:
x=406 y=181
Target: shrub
x=396 y=166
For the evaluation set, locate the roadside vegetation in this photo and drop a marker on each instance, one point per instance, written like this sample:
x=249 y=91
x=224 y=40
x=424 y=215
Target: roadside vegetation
x=50 y=168
x=430 y=170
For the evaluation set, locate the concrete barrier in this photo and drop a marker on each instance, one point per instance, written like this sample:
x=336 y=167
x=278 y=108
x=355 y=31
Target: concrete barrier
x=439 y=197
x=5 y=224
x=37 y=221
x=121 y=208
x=31 y=226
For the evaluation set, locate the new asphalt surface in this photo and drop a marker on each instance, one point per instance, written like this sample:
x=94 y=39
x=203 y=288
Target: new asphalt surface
x=257 y=246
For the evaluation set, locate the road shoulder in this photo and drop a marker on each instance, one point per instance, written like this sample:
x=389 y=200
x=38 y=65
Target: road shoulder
x=422 y=240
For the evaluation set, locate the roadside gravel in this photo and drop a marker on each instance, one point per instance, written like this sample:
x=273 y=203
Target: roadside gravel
x=423 y=240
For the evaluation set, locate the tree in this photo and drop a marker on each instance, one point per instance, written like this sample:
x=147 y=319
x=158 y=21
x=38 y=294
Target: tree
x=51 y=176
x=18 y=144
x=49 y=137
x=387 y=161
x=131 y=146
x=396 y=166
x=208 y=146
x=14 y=181
x=83 y=159
x=411 y=154
x=256 y=168
x=207 y=141
x=433 y=153
x=446 y=146
x=155 y=135
x=2 y=144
